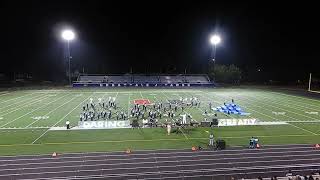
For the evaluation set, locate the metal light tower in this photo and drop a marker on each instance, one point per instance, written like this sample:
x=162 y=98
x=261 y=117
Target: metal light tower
x=68 y=35
x=215 y=39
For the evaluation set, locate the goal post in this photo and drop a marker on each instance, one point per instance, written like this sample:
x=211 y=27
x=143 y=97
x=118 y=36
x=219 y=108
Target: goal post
x=309 y=86
x=313 y=84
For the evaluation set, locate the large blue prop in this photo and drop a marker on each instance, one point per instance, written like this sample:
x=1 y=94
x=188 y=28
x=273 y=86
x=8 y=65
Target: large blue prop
x=231 y=109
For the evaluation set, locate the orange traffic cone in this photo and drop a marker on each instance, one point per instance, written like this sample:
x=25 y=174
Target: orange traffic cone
x=193 y=148
x=317 y=146
x=54 y=154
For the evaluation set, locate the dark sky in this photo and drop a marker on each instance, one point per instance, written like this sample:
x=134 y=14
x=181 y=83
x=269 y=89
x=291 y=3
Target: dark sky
x=159 y=36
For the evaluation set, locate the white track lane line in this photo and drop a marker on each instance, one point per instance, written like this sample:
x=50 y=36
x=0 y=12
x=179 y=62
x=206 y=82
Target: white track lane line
x=185 y=171
x=148 y=153
x=167 y=166
x=209 y=157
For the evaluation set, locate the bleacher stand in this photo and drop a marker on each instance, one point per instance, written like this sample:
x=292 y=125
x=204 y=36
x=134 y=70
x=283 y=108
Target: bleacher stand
x=143 y=80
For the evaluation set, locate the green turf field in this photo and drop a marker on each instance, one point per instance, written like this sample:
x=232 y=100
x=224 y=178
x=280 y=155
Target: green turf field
x=27 y=115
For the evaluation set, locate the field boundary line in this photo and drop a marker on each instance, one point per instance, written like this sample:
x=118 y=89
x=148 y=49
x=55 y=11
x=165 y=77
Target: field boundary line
x=21 y=128
x=61 y=119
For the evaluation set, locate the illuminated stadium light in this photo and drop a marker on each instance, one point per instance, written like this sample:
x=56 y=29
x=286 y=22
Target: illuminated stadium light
x=68 y=35
x=215 y=39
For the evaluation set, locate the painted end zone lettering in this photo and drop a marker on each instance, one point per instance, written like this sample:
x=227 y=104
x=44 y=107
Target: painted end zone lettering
x=103 y=124
x=237 y=122
x=142 y=101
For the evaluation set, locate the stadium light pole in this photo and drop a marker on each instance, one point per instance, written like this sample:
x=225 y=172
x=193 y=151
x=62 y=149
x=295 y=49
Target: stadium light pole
x=215 y=39
x=68 y=35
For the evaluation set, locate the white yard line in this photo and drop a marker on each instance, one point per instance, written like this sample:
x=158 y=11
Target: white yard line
x=289 y=122
x=61 y=119
x=24 y=101
x=183 y=111
x=285 y=111
x=274 y=102
x=129 y=106
x=15 y=98
x=30 y=112
x=277 y=119
x=315 y=100
x=53 y=109
x=4 y=94
x=296 y=103
x=185 y=136
x=302 y=129
x=27 y=104
x=165 y=96
x=218 y=103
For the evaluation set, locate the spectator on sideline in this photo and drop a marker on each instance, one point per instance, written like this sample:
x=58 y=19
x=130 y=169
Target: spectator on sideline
x=68 y=124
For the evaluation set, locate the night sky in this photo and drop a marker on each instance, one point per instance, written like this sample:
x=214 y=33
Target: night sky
x=159 y=36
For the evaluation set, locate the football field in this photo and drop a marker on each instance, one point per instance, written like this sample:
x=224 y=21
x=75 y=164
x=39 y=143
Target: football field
x=26 y=117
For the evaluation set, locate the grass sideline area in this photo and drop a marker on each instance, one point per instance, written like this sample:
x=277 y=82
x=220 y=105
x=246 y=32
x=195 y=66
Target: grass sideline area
x=26 y=116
